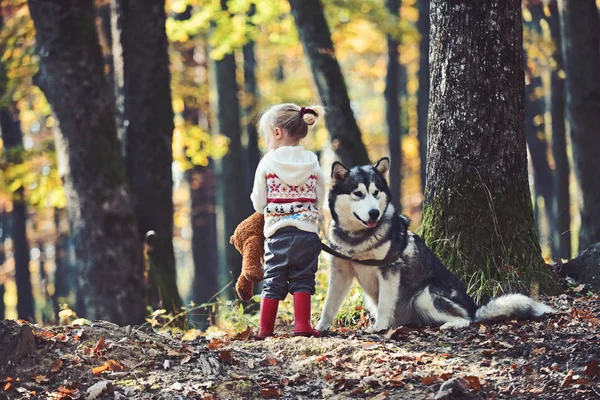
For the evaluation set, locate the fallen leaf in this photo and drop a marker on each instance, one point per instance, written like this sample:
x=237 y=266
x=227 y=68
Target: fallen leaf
x=7 y=386
x=321 y=358
x=409 y=386
x=537 y=352
x=78 y=334
x=428 y=380
x=185 y=359
x=446 y=376
x=537 y=390
x=267 y=393
x=100 y=369
x=591 y=369
x=269 y=361
x=115 y=366
x=167 y=364
x=217 y=344
x=177 y=386
x=97 y=389
x=225 y=355
x=65 y=390
x=44 y=335
x=100 y=346
x=244 y=335
x=482 y=328
x=56 y=366
x=474 y=382
x=40 y=379
x=208 y=396
x=397 y=380
x=568 y=379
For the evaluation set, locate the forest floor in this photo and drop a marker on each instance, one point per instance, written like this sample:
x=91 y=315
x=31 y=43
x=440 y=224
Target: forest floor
x=553 y=358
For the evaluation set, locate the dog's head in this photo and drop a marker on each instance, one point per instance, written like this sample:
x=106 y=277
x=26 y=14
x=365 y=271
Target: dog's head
x=359 y=196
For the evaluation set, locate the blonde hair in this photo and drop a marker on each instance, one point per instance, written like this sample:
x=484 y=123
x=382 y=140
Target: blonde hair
x=290 y=117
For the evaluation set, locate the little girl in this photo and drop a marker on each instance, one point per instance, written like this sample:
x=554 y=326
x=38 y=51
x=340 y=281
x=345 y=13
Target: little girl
x=289 y=189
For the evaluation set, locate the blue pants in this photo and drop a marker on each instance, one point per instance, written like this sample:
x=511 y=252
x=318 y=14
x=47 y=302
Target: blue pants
x=291 y=262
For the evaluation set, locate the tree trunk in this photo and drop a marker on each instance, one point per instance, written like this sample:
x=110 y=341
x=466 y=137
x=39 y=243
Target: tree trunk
x=316 y=40
x=477 y=214
x=3 y=227
x=562 y=200
x=392 y=112
x=233 y=199
x=250 y=111
x=143 y=92
x=16 y=340
x=535 y=107
x=13 y=143
x=423 y=93
x=61 y=280
x=203 y=187
x=104 y=227
x=581 y=54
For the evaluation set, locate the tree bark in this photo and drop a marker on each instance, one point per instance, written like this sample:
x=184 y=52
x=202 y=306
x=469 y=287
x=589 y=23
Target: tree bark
x=15 y=341
x=316 y=40
x=13 y=143
x=562 y=200
x=145 y=123
x=477 y=214
x=423 y=93
x=103 y=223
x=392 y=112
x=232 y=193
x=579 y=23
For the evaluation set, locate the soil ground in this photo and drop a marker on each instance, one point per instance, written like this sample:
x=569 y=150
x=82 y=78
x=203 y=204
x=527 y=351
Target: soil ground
x=554 y=358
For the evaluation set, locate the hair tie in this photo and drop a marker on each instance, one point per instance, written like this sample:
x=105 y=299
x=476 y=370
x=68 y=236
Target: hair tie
x=305 y=110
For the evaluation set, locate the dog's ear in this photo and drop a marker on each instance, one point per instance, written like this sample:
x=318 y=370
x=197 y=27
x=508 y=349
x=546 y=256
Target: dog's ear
x=383 y=166
x=339 y=172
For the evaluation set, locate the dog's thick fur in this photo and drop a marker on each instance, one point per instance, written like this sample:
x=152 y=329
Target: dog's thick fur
x=417 y=289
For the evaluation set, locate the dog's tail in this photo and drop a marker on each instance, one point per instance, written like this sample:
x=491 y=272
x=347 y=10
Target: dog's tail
x=512 y=306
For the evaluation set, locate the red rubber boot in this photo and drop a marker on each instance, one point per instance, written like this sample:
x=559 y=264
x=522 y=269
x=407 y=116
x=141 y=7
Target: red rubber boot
x=302 y=315
x=268 y=313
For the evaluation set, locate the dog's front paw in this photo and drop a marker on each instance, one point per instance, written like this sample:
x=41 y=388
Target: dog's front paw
x=377 y=327
x=323 y=326
x=456 y=324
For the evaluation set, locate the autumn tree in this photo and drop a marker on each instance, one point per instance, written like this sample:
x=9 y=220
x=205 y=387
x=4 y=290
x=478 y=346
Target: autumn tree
x=316 y=41
x=233 y=195
x=145 y=124
x=477 y=214
x=12 y=138
x=580 y=45
x=535 y=108
x=103 y=222
x=392 y=111
x=562 y=201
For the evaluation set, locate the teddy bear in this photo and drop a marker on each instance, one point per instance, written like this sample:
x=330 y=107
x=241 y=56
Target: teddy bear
x=248 y=238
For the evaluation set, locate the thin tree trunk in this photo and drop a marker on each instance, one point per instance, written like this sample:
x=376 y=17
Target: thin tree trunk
x=13 y=143
x=423 y=93
x=104 y=225
x=250 y=111
x=103 y=26
x=316 y=40
x=233 y=197
x=579 y=23
x=3 y=228
x=392 y=113
x=143 y=90
x=61 y=281
x=477 y=214
x=562 y=200
x=535 y=107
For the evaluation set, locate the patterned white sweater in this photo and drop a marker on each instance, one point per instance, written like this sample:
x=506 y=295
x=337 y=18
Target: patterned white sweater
x=289 y=189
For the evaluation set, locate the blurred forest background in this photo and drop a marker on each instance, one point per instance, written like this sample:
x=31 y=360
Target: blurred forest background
x=223 y=63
